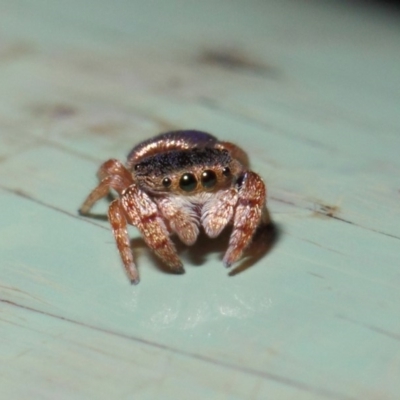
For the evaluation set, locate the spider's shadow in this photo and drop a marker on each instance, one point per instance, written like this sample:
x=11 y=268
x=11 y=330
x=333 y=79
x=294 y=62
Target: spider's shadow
x=264 y=240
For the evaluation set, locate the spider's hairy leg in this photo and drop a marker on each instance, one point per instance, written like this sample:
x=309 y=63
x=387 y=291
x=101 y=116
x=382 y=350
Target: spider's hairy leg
x=218 y=211
x=116 y=216
x=248 y=214
x=142 y=212
x=112 y=175
x=181 y=221
x=113 y=167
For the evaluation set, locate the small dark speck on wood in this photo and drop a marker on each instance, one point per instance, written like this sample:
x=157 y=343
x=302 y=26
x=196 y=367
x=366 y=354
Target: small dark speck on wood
x=56 y=111
x=326 y=210
x=235 y=60
x=16 y=51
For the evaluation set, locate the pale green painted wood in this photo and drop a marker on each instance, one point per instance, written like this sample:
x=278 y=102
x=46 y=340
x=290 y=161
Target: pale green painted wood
x=314 y=101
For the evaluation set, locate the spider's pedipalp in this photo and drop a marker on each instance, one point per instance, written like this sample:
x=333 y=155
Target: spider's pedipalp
x=218 y=211
x=248 y=213
x=180 y=219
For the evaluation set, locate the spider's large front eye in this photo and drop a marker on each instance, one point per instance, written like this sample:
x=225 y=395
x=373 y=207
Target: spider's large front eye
x=188 y=182
x=208 y=179
x=166 y=182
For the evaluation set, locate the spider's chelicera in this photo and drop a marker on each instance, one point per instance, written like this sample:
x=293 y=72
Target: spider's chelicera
x=173 y=184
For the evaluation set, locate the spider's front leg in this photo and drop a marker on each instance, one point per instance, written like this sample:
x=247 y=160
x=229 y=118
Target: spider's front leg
x=141 y=211
x=248 y=215
x=117 y=218
x=112 y=175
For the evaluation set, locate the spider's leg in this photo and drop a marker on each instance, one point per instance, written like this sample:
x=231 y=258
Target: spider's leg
x=180 y=219
x=218 y=212
x=142 y=212
x=112 y=175
x=113 y=167
x=116 y=216
x=248 y=215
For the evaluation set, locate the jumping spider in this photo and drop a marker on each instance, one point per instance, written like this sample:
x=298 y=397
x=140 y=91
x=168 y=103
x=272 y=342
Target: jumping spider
x=175 y=182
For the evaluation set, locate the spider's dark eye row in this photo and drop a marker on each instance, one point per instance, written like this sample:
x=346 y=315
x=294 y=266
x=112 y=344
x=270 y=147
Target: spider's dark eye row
x=188 y=182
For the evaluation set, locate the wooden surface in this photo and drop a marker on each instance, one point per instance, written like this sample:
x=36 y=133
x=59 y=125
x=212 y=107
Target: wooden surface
x=311 y=89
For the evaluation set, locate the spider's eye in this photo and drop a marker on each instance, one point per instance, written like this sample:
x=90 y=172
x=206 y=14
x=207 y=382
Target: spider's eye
x=208 y=178
x=226 y=171
x=240 y=181
x=137 y=167
x=166 y=182
x=188 y=182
